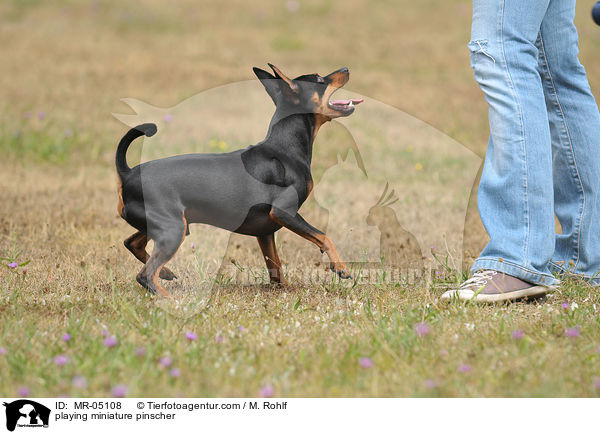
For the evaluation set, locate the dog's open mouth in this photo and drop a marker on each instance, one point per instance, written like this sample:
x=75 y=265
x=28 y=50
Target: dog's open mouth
x=344 y=103
x=345 y=106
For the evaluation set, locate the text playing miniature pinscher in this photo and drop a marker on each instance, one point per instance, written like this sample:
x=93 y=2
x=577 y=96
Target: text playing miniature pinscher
x=252 y=191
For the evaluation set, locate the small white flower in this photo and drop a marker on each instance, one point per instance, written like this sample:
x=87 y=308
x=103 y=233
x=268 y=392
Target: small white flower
x=574 y=306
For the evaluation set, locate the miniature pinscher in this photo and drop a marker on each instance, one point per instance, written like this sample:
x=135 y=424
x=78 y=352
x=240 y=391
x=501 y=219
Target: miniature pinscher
x=252 y=191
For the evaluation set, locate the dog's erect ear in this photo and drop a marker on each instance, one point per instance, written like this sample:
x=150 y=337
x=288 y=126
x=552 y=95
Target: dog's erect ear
x=281 y=75
x=262 y=74
x=287 y=85
x=269 y=81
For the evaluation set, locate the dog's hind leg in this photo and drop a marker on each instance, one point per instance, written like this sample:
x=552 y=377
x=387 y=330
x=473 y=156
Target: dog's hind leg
x=136 y=244
x=269 y=251
x=168 y=239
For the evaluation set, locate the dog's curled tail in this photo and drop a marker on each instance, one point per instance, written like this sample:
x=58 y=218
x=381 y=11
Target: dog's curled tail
x=121 y=157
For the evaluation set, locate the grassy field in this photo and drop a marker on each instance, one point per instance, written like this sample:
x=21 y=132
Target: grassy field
x=73 y=320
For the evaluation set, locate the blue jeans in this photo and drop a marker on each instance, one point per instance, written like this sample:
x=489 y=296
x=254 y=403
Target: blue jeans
x=543 y=156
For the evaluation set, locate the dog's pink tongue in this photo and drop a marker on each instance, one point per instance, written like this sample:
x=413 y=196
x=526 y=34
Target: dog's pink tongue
x=346 y=101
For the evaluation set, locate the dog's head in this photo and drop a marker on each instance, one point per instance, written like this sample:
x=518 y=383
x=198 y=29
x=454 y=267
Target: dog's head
x=308 y=93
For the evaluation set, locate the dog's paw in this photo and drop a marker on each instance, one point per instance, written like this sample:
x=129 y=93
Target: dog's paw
x=146 y=284
x=167 y=274
x=340 y=270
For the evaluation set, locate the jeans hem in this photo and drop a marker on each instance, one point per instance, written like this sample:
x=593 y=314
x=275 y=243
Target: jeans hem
x=562 y=271
x=515 y=270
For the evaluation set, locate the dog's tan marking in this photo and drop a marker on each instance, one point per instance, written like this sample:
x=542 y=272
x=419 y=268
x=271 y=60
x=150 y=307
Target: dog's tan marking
x=319 y=120
x=322 y=104
x=137 y=245
x=157 y=284
x=120 y=205
x=269 y=251
x=309 y=186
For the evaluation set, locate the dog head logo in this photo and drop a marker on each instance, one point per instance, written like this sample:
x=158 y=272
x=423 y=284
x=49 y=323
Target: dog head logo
x=26 y=413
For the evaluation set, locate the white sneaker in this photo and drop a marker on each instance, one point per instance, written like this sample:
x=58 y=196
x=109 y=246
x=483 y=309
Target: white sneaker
x=490 y=286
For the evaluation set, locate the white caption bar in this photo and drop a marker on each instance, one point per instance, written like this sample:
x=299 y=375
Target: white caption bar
x=155 y=415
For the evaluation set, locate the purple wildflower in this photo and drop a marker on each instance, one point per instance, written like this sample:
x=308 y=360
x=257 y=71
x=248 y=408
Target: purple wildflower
x=79 y=382
x=219 y=339
x=191 y=336
x=193 y=246
x=421 y=329
x=572 y=332
x=365 y=362
x=168 y=117
x=292 y=6
x=140 y=352
x=41 y=115
x=464 y=368
x=165 y=361
x=119 y=391
x=565 y=305
x=3 y=351
x=518 y=334
x=175 y=373
x=267 y=391
x=110 y=341
x=12 y=265
x=430 y=384
x=23 y=392
x=66 y=337
x=242 y=329
x=61 y=360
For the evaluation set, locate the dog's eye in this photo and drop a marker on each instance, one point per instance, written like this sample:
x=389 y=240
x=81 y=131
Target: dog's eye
x=320 y=80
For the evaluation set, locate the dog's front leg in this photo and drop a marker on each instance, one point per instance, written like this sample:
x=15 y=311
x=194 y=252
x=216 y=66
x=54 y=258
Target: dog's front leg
x=297 y=224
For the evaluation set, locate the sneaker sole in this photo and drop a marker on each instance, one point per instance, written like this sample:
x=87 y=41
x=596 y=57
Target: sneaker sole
x=531 y=292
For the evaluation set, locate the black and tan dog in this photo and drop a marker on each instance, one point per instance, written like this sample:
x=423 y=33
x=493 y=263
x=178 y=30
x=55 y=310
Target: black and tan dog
x=253 y=191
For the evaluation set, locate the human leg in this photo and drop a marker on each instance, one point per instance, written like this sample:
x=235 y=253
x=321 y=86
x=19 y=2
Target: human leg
x=574 y=125
x=516 y=192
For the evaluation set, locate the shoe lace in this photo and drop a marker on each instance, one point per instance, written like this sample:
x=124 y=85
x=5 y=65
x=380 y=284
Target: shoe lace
x=479 y=279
